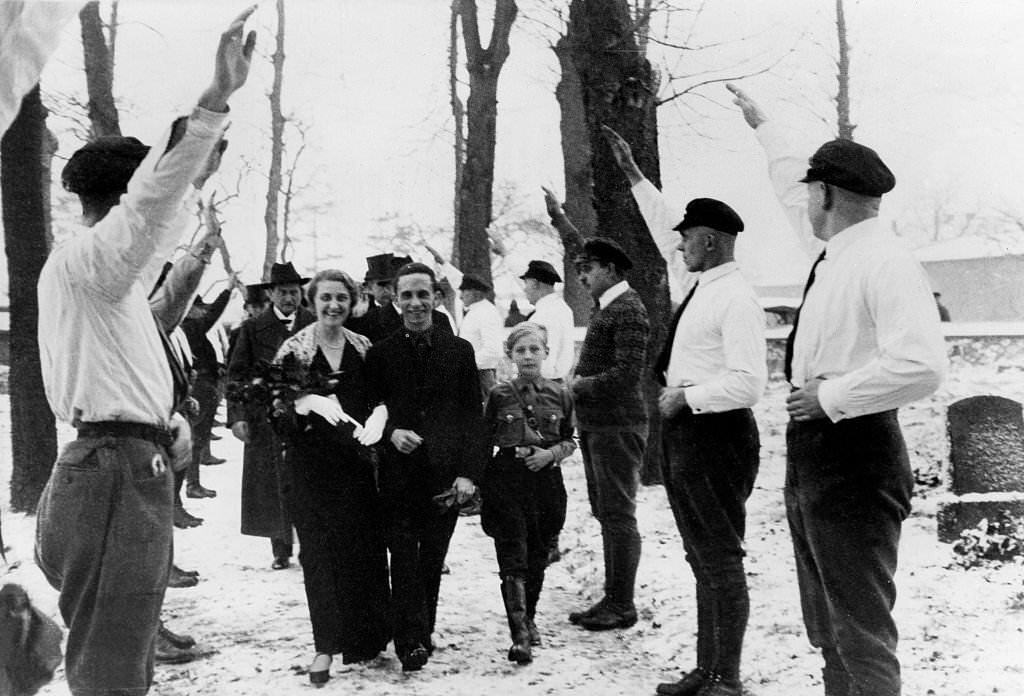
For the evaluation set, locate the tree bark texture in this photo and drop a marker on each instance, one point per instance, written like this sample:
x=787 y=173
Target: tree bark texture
x=458 y=118
x=845 y=127
x=477 y=186
x=99 y=73
x=578 y=174
x=24 y=185
x=270 y=214
x=618 y=86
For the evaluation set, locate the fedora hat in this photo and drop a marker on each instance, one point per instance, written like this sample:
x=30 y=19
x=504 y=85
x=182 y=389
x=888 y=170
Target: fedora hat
x=283 y=274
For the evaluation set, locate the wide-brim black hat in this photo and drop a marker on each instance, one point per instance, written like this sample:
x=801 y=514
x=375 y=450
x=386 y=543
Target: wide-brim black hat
x=283 y=274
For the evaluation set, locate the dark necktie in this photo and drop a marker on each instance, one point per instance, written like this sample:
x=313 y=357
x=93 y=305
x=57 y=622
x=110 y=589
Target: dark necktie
x=178 y=376
x=287 y=324
x=796 y=318
x=661 y=364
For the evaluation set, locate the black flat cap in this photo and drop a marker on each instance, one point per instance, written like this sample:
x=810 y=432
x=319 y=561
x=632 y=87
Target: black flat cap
x=471 y=281
x=604 y=250
x=542 y=271
x=104 y=166
x=850 y=166
x=708 y=212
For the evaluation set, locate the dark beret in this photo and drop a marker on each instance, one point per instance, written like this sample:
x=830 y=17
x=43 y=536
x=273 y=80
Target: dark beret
x=104 y=166
x=471 y=281
x=850 y=166
x=604 y=250
x=707 y=212
x=542 y=271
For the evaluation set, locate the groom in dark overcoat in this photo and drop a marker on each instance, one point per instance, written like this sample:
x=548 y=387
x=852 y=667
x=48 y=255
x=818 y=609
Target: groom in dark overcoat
x=434 y=450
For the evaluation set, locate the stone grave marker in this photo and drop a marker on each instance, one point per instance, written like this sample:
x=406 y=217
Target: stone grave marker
x=986 y=456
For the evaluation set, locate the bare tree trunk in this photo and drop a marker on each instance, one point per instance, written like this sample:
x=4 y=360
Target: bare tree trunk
x=477 y=185
x=576 y=157
x=24 y=186
x=843 y=76
x=459 y=118
x=619 y=87
x=270 y=214
x=99 y=71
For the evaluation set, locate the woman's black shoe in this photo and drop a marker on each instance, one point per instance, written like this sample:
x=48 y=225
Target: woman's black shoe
x=414 y=659
x=321 y=676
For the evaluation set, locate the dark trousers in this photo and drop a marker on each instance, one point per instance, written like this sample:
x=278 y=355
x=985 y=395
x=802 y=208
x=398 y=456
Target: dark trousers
x=418 y=535
x=103 y=539
x=709 y=468
x=848 y=488
x=205 y=391
x=521 y=511
x=611 y=462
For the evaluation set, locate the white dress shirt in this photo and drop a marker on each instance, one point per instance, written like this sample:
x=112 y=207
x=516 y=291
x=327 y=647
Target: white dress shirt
x=660 y=222
x=555 y=315
x=868 y=325
x=100 y=352
x=481 y=326
x=719 y=350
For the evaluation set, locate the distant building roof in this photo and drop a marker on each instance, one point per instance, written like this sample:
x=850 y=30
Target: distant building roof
x=971 y=247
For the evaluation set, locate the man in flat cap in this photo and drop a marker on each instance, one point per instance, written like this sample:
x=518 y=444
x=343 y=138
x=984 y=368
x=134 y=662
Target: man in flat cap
x=551 y=312
x=481 y=326
x=612 y=419
x=713 y=369
x=264 y=505
x=104 y=529
x=865 y=342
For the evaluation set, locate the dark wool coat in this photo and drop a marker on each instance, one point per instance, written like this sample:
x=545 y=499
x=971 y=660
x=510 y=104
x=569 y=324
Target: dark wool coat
x=263 y=509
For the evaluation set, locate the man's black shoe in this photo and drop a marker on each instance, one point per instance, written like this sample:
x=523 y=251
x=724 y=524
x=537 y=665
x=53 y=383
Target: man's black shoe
x=195 y=490
x=177 y=579
x=176 y=569
x=168 y=654
x=414 y=659
x=213 y=461
x=717 y=686
x=689 y=685
x=182 y=642
x=281 y=563
x=577 y=616
x=609 y=617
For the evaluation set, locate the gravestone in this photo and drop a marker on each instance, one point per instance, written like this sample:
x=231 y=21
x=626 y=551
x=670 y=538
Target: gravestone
x=986 y=456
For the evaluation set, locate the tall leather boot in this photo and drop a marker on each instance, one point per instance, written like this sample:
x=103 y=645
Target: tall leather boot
x=619 y=611
x=534 y=583
x=513 y=591
x=731 y=612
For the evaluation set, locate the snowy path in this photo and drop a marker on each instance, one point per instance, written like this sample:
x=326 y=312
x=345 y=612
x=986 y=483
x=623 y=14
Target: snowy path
x=958 y=634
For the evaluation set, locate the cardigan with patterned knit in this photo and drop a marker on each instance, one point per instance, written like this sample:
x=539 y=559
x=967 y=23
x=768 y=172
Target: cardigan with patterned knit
x=607 y=387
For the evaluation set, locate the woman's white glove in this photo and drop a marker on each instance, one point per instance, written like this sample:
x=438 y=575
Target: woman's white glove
x=373 y=431
x=326 y=407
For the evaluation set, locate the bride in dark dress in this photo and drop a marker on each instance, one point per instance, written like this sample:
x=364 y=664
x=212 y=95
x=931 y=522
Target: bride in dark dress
x=333 y=495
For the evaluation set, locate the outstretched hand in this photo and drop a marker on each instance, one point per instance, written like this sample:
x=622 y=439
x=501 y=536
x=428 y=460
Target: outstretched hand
x=623 y=154
x=438 y=259
x=752 y=113
x=551 y=202
x=231 y=69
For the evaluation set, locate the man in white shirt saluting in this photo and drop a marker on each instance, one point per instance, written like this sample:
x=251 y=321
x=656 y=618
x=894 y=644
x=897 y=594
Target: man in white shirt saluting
x=865 y=341
x=103 y=535
x=713 y=369
x=551 y=312
x=481 y=326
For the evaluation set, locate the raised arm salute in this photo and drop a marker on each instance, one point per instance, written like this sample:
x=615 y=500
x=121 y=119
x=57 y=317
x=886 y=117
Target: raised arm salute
x=866 y=341
x=104 y=521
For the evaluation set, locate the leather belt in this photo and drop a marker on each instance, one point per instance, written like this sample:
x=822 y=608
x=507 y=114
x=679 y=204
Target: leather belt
x=156 y=434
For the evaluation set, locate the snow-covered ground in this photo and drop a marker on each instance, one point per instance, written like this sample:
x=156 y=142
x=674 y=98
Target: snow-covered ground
x=961 y=633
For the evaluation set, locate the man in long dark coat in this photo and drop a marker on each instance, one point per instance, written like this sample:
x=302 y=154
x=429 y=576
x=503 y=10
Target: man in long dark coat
x=264 y=510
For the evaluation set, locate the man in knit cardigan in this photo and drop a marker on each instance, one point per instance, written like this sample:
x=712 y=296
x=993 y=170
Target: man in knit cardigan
x=612 y=420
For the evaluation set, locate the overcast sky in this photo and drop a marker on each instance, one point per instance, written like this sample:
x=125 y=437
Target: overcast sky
x=935 y=91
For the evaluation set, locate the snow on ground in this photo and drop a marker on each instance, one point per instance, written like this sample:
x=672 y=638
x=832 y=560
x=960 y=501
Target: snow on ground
x=961 y=632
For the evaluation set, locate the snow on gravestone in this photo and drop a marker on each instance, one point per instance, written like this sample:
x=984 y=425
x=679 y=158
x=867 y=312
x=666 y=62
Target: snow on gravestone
x=986 y=456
